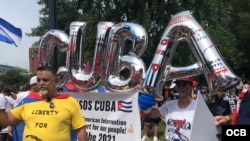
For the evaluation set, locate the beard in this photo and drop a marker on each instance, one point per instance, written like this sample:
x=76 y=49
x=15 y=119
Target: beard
x=43 y=92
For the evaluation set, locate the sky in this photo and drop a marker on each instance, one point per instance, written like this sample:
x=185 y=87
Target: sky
x=23 y=14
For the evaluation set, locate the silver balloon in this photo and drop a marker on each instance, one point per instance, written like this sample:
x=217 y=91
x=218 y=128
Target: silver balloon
x=124 y=72
x=177 y=72
x=131 y=73
x=184 y=26
x=84 y=74
x=52 y=40
x=62 y=76
x=174 y=72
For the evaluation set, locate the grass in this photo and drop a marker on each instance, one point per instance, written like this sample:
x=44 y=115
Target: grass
x=161 y=134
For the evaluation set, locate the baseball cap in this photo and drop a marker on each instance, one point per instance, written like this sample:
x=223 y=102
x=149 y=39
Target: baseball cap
x=33 y=80
x=187 y=79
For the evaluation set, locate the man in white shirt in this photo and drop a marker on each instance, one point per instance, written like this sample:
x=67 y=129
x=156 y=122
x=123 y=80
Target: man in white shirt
x=3 y=100
x=3 y=104
x=17 y=130
x=23 y=94
x=10 y=105
x=10 y=101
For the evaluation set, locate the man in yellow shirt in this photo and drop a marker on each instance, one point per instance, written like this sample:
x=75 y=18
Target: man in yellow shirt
x=52 y=117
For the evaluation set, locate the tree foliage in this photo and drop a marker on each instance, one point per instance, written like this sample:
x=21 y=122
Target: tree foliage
x=227 y=23
x=13 y=79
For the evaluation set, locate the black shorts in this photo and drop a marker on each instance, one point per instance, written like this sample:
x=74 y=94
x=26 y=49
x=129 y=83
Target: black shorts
x=152 y=120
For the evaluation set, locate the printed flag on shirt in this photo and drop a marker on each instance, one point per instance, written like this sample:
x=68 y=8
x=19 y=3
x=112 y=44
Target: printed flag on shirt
x=125 y=106
x=9 y=33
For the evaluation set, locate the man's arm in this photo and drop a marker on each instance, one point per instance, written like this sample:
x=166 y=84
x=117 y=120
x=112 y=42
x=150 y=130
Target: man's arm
x=82 y=134
x=223 y=119
x=6 y=119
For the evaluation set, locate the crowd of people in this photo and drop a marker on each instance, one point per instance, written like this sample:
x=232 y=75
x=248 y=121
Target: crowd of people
x=65 y=122
x=9 y=100
x=179 y=101
x=177 y=105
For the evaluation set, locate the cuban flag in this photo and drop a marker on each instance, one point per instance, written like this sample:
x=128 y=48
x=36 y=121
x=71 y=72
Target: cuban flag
x=125 y=106
x=9 y=33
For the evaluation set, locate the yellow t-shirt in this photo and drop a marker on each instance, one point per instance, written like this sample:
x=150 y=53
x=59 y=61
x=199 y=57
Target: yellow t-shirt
x=50 y=124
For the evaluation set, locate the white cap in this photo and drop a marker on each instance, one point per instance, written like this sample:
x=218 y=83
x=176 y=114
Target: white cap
x=33 y=80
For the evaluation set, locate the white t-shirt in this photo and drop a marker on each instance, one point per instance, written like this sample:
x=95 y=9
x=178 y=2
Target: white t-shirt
x=20 y=96
x=3 y=101
x=10 y=103
x=178 y=121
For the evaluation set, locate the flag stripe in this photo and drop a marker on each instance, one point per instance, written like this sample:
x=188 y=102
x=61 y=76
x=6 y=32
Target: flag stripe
x=127 y=107
x=9 y=33
x=124 y=102
x=125 y=110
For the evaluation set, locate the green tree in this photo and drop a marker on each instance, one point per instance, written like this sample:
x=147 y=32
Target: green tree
x=214 y=17
x=14 y=79
x=239 y=25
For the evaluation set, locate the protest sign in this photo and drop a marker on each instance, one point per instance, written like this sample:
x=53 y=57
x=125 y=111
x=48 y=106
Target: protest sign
x=204 y=128
x=111 y=116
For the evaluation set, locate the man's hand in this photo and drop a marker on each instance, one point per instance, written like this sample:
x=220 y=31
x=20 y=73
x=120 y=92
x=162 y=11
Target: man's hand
x=221 y=120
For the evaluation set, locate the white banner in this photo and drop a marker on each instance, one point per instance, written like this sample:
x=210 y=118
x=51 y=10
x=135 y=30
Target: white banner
x=111 y=116
x=204 y=128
